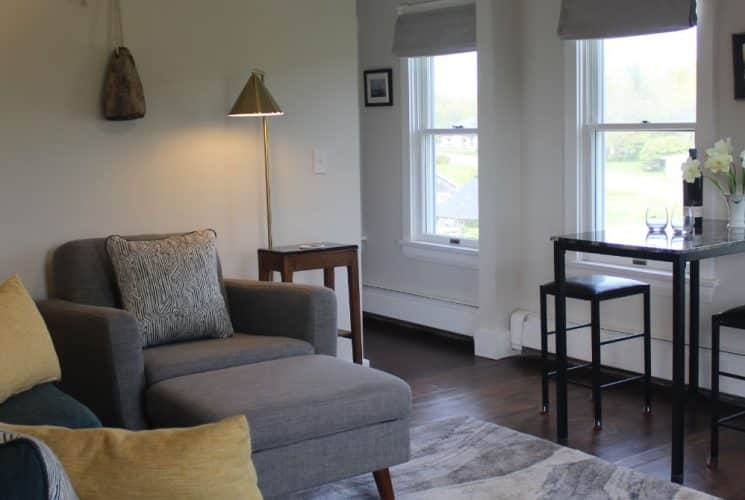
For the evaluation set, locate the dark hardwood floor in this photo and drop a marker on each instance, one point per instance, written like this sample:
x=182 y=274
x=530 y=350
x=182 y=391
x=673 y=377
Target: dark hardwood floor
x=447 y=380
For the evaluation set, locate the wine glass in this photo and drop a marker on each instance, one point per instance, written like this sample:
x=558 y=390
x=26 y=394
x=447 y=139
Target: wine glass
x=657 y=219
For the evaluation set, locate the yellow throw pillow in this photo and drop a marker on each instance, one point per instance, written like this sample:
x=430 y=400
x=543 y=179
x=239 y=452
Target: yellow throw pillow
x=27 y=355
x=211 y=461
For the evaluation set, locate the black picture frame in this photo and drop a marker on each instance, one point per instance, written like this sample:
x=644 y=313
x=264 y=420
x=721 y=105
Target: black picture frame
x=378 y=87
x=738 y=59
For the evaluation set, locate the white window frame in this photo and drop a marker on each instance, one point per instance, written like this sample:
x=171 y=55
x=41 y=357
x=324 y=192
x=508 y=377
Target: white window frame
x=419 y=114
x=589 y=128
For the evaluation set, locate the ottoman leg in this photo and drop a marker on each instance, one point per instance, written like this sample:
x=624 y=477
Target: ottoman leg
x=384 y=484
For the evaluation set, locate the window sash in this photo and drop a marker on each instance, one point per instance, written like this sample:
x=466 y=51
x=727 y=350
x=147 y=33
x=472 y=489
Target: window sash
x=422 y=158
x=590 y=72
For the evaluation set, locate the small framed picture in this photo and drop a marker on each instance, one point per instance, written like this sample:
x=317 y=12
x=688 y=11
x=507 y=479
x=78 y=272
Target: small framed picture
x=379 y=87
x=738 y=53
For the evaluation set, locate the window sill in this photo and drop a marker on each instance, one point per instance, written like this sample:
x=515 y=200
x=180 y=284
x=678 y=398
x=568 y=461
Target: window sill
x=660 y=281
x=441 y=254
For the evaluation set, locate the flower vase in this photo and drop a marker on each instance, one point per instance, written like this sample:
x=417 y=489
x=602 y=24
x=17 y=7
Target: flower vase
x=736 y=205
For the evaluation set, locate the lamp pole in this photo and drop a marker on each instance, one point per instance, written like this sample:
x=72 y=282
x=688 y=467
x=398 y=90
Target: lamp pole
x=267 y=188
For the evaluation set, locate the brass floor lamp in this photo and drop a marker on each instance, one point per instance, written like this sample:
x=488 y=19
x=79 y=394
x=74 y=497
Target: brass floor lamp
x=255 y=101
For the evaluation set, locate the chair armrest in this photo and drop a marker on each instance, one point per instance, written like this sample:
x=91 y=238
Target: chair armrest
x=285 y=310
x=100 y=352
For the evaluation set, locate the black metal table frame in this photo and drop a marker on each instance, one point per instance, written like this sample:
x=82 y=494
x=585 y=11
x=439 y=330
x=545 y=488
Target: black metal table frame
x=679 y=259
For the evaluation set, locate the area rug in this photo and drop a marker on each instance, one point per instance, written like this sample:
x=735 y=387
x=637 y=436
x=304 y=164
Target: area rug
x=464 y=458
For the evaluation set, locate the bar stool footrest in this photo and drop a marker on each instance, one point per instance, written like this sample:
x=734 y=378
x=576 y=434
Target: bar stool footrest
x=622 y=381
x=552 y=374
x=622 y=339
x=587 y=325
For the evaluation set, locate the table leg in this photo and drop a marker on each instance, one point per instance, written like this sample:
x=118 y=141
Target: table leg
x=286 y=274
x=693 y=328
x=353 y=281
x=562 y=431
x=679 y=397
x=265 y=270
x=329 y=280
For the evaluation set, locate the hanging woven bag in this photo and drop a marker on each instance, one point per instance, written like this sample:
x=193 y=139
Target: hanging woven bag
x=123 y=95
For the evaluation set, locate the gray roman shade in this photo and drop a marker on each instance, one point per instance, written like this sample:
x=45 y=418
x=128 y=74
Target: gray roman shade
x=589 y=19
x=446 y=30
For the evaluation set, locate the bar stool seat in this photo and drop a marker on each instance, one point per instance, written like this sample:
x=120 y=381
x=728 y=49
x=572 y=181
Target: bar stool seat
x=595 y=289
x=601 y=287
x=734 y=318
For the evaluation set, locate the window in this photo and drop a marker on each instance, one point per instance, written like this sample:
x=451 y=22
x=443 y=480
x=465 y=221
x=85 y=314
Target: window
x=636 y=123
x=443 y=127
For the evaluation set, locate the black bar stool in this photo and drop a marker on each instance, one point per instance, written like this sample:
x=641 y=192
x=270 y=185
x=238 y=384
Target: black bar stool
x=733 y=318
x=598 y=288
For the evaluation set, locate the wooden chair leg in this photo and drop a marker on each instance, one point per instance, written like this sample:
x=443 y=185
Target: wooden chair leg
x=384 y=484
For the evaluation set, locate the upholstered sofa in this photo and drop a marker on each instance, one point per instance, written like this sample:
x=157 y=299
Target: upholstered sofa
x=314 y=418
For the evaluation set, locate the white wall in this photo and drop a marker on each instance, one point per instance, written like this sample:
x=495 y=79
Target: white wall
x=438 y=294
x=500 y=167
x=65 y=173
x=385 y=268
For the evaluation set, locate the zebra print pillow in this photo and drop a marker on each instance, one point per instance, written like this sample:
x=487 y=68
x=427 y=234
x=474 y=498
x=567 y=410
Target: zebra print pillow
x=172 y=287
x=58 y=484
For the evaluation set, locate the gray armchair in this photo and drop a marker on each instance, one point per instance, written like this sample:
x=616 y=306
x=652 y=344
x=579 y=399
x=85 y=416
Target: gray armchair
x=314 y=418
x=104 y=364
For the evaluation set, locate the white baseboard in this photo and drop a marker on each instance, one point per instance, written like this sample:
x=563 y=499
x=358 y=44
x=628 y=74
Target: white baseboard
x=627 y=355
x=437 y=313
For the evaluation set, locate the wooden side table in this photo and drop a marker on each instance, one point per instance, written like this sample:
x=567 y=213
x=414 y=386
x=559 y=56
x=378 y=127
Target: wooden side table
x=327 y=256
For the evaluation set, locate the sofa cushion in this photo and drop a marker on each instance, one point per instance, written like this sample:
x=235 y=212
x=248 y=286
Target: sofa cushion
x=186 y=358
x=287 y=400
x=47 y=405
x=172 y=286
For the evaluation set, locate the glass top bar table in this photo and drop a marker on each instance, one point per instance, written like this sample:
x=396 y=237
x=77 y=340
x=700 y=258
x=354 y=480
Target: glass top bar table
x=713 y=240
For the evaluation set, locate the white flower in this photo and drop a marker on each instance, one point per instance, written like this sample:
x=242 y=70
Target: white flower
x=692 y=170
x=742 y=158
x=721 y=147
x=719 y=163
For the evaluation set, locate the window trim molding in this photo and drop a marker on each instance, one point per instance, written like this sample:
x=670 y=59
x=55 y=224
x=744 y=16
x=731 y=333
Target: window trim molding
x=414 y=234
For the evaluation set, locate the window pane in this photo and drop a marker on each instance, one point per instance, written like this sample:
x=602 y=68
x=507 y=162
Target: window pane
x=650 y=78
x=455 y=90
x=641 y=170
x=456 y=206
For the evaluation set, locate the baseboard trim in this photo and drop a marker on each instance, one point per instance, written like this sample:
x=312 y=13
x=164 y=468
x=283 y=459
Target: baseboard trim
x=423 y=330
x=440 y=314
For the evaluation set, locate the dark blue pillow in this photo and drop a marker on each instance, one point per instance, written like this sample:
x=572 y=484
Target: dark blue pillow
x=47 y=405
x=30 y=470
x=22 y=472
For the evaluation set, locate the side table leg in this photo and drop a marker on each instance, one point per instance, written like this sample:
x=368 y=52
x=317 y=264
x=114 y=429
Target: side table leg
x=286 y=274
x=329 y=279
x=353 y=277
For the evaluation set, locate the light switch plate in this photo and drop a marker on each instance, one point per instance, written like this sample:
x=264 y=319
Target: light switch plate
x=320 y=164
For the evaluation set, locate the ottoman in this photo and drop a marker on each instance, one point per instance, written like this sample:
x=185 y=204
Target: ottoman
x=314 y=419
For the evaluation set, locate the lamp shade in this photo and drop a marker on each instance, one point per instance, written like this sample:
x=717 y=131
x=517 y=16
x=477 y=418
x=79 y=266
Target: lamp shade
x=255 y=99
